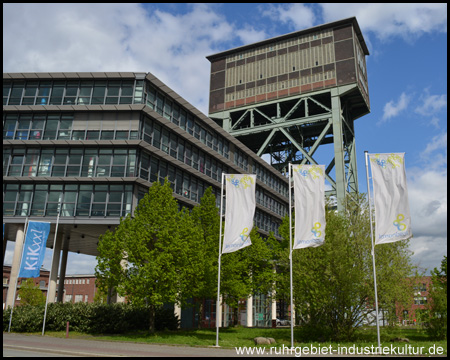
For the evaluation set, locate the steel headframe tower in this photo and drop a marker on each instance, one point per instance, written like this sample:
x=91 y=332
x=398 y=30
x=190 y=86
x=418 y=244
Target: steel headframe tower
x=288 y=96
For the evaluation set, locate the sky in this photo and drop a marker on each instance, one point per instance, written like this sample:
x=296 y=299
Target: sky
x=407 y=75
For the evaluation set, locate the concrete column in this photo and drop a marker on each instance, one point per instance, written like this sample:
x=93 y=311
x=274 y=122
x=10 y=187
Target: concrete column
x=250 y=311
x=219 y=312
x=5 y=242
x=177 y=312
x=274 y=308
x=15 y=266
x=54 y=269
x=62 y=272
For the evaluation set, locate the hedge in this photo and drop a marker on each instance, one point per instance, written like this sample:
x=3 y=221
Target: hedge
x=88 y=318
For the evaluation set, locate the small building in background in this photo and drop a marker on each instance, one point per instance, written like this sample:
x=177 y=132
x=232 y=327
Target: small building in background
x=77 y=288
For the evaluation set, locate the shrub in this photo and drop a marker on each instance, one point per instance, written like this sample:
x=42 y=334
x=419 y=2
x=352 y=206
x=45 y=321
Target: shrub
x=88 y=318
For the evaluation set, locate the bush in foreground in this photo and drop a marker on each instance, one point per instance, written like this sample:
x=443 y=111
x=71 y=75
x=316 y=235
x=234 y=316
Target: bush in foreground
x=88 y=318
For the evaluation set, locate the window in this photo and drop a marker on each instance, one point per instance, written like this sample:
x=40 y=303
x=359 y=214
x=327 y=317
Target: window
x=23 y=127
x=57 y=93
x=9 y=127
x=65 y=127
x=15 y=96
x=112 y=94
x=24 y=200
x=99 y=200
x=39 y=200
x=74 y=163
x=115 y=200
x=104 y=163
x=31 y=162
x=45 y=163
x=84 y=200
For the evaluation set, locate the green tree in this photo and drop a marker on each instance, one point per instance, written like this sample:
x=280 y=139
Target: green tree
x=206 y=217
x=333 y=283
x=437 y=307
x=112 y=256
x=150 y=259
x=30 y=294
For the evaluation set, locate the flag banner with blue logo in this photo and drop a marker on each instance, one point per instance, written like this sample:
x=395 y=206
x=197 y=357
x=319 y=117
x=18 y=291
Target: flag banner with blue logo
x=309 y=195
x=390 y=195
x=239 y=212
x=34 y=249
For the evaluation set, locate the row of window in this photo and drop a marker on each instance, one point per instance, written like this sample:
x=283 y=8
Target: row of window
x=75 y=281
x=269 y=202
x=240 y=159
x=182 y=183
x=182 y=150
x=154 y=169
x=85 y=162
x=420 y=300
x=265 y=222
x=73 y=92
x=78 y=298
x=270 y=180
x=75 y=199
x=172 y=111
x=61 y=127
x=104 y=162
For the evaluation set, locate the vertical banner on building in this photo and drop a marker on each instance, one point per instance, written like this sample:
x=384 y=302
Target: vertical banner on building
x=390 y=195
x=34 y=249
x=309 y=195
x=240 y=210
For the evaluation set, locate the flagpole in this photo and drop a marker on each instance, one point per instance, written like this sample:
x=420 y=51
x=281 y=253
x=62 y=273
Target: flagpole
x=25 y=229
x=50 y=275
x=290 y=256
x=373 y=251
x=220 y=256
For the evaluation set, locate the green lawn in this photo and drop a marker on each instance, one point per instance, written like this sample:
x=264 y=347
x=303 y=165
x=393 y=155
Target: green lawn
x=240 y=337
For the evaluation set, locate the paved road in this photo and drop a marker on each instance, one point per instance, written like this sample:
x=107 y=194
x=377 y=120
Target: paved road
x=77 y=347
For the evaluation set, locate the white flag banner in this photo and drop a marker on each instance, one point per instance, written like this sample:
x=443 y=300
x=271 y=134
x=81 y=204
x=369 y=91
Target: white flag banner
x=390 y=195
x=309 y=195
x=239 y=212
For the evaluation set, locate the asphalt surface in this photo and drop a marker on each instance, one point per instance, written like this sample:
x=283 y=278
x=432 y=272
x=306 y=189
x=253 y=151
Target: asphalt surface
x=36 y=344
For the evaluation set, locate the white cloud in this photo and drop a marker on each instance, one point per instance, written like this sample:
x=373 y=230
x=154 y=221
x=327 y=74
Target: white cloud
x=427 y=190
x=120 y=37
x=297 y=16
x=434 y=156
x=249 y=35
x=430 y=106
x=392 y=108
x=391 y=20
x=428 y=251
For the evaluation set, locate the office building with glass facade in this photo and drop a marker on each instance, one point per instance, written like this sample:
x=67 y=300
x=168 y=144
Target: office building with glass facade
x=95 y=142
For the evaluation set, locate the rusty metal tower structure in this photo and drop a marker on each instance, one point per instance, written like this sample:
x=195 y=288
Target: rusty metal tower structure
x=288 y=96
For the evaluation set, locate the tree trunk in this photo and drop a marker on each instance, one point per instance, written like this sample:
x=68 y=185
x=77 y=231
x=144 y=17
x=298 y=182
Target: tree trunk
x=152 y=319
x=200 y=314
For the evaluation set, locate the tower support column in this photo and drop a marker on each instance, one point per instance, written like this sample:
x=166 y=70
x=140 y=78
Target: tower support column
x=338 y=142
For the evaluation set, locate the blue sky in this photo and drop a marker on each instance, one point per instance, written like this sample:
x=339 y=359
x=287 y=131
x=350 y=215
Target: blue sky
x=407 y=74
